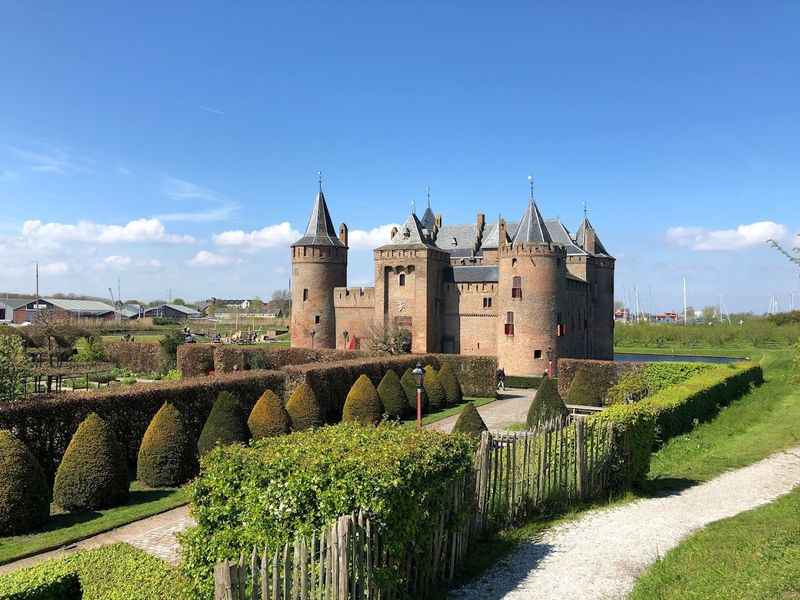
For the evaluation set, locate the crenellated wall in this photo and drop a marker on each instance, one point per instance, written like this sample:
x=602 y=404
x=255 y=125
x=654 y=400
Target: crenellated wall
x=355 y=312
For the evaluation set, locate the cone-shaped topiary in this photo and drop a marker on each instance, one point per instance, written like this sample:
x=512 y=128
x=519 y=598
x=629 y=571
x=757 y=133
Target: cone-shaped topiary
x=392 y=395
x=470 y=422
x=449 y=381
x=584 y=391
x=362 y=404
x=547 y=405
x=268 y=417
x=409 y=383
x=166 y=455
x=93 y=473
x=304 y=411
x=225 y=425
x=437 y=398
x=24 y=493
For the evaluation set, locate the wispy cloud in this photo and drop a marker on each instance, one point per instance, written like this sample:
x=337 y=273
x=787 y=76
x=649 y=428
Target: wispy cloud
x=55 y=161
x=270 y=236
x=743 y=236
x=369 y=239
x=201 y=216
x=54 y=268
x=204 y=258
x=213 y=111
x=182 y=190
x=6 y=175
x=139 y=230
x=122 y=263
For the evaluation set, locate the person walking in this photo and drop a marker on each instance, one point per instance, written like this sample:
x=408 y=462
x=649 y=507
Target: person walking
x=501 y=379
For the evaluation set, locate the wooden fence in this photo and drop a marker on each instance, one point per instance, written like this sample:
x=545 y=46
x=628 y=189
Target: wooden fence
x=515 y=475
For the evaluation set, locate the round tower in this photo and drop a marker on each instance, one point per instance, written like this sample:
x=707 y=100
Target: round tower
x=319 y=264
x=529 y=297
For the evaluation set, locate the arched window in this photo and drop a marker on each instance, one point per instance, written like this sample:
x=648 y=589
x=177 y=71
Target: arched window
x=516 y=287
x=402 y=279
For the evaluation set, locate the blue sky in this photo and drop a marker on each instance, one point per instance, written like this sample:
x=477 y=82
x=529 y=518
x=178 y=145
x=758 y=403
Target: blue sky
x=176 y=147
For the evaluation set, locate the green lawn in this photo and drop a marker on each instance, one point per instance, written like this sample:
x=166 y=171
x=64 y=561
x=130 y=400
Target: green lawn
x=734 y=352
x=152 y=338
x=438 y=415
x=750 y=556
x=67 y=528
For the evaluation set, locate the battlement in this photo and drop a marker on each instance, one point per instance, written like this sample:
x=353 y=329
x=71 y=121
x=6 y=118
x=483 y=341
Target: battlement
x=508 y=250
x=356 y=297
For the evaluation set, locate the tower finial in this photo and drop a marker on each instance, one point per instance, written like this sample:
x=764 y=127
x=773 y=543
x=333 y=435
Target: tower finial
x=530 y=181
x=319 y=178
x=414 y=207
x=429 y=196
x=585 y=209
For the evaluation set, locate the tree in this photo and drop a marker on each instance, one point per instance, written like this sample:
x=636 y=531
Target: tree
x=303 y=408
x=89 y=349
x=166 y=454
x=169 y=347
x=709 y=313
x=225 y=425
x=24 y=493
x=392 y=395
x=450 y=384
x=362 y=404
x=470 y=422
x=179 y=301
x=389 y=339
x=268 y=417
x=14 y=368
x=437 y=397
x=546 y=406
x=409 y=383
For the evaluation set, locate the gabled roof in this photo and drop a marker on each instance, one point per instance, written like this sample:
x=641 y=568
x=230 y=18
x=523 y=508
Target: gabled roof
x=561 y=236
x=456 y=237
x=80 y=306
x=320 y=230
x=531 y=228
x=187 y=310
x=15 y=303
x=580 y=238
x=473 y=274
x=410 y=234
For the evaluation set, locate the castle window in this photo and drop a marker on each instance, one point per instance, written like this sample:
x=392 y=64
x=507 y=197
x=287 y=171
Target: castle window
x=487 y=302
x=513 y=262
x=402 y=279
x=537 y=354
x=509 y=323
x=316 y=319
x=585 y=324
x=516 y=287
x=305 y=294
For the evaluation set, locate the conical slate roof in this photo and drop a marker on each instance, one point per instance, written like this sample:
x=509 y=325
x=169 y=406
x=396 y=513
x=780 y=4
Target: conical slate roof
x=410 y=234
x=532 y=229
x=580 y=238
x=320 y=230
x=428 y=220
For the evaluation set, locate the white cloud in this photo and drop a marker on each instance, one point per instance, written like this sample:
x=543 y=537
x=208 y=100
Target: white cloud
x=744 y=236
x=117 y=261
x=54 y=268
x=204 y=258
x=270 y=236
x=139 y=230
x=181 y=190
x=120 y=263
x=201 y=216
x=360 y=239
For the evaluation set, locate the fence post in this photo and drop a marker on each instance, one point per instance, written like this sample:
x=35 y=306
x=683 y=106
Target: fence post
x=344 y=550
x=223 y=584
x=580 y=457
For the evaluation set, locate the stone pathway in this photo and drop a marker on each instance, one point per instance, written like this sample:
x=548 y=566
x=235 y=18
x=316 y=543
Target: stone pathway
x=511 y=407
x=600 y=555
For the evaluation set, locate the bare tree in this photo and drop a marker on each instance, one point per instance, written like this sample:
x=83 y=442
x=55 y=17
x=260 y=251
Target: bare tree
x=389 y=339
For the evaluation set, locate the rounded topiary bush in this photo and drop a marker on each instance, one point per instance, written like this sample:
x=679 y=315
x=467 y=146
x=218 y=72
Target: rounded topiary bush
x=24 y=493
x=362 y=404
x=392 y=395
x=166 y=455
x=470 y=422
x=225 y=425
x=268 y=417
x=449 y=381
x=584 y=391
x=93 y=473
x=303 y=408
x=409 y=383
x=437 y=397
x=546 y=406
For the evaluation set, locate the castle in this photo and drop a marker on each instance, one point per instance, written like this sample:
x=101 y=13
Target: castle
x=527 y=291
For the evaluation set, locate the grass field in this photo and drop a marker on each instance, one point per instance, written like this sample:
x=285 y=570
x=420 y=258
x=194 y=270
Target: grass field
x=67 y=528
x=447 y=412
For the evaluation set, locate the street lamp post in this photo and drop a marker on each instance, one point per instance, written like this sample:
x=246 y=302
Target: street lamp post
x=419 y=374
x=550 y=362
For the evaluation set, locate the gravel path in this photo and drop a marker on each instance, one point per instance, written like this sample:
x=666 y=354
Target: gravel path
x=509 y=408
x=601 y=554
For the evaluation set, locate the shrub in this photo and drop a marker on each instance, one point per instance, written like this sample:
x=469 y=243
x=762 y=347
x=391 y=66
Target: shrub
x=633 y=437
x=362 y=404
x=437 y=397
x=409 y=383
x=14 y=368
x=166 y=456
x=169 y=347
x=519 y=381
x=470 y=422
x=392 y=395
x=546 y=406
x=297 y=483
x=140 y=357
x=585 y=391
x=268 y=417
x=631 y=387
x=449 y=382
x=303 y=409
x=225 y=425
x=796 y=361
x=93 y=473
x=89 y=349
x=476 y=374
x=52 y=580
x=24 y=492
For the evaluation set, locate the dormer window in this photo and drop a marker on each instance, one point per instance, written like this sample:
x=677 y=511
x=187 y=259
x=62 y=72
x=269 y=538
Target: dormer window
x=406 y=233
x=454 y=242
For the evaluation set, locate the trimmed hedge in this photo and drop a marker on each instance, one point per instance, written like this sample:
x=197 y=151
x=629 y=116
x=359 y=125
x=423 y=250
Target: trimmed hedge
x=139 y=357
x=303 y=408
x=166 y=456
x=45 y=426
x=93 y=473
x=268 y=417
x=362 y=404
x=633 y=440
x=585 y=391
x=52 y=580
x=392 y=396
x=24 y=492
x=449 y=381
x=228 y=357
x=470 y=422
x=546 y=405
x=297 y=483
x=437 y=397
x=409 y=383
x=524 y=383
x=602 y=373
x=195 y=360
x=477 y=375
x=225 y=425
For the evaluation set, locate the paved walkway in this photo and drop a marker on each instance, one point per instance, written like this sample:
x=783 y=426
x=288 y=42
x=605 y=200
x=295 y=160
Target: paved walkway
x=511 y=407
x=600 y=555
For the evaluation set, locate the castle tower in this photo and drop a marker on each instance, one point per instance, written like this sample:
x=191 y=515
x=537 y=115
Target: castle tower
x=531 y=271
x=599 y=275
x=319 y=264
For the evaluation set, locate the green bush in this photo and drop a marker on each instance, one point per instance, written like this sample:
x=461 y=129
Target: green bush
x=169 y=347
x=225 y=425
x=583 y=390
x=449 y=381
x=470 y=422
x=409 y=383
x=362 y=404
x=518 y=381
x=392 y=395
x=303 y=409
x=437 y=397
x=24 y=492
x=52 y=580
x=546 y=406
x=633 y=438
x=297 y=483
x=166 y=456
x=796 y=362
x=268 y=417
x=89 y=349
x=651 y=379
x=14 y=368
x=93 y=473
x=631 y=387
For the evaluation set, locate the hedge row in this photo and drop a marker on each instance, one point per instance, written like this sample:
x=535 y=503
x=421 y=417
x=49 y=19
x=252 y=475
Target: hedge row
x=229 y=358
x=476 y=374
x=53 y=580
x=139 y=357
x=45 y=426
x=602 y=373
x=195 y=360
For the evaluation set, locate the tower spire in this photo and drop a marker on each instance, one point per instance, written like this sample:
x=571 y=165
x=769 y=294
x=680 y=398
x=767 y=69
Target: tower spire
x=319 y=178
x=429 y=196
x=530 y=181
